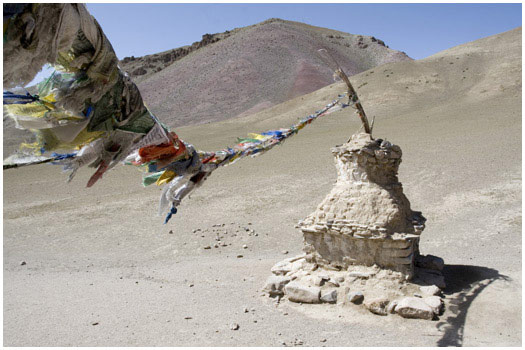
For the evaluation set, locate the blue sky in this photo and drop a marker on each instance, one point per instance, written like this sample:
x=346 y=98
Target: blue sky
x=418 y=29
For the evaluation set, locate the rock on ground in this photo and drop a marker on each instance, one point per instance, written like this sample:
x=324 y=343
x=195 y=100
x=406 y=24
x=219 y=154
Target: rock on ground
x=355 y=297
x=412 y=307
x=329 y=296
x=377 y=306
x=275 y=284
x=302 y=294
x=430 y=290
x=435 y=303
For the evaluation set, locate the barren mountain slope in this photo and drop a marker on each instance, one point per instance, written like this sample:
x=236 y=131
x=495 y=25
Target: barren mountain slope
x=101 y=269
x=253 y=68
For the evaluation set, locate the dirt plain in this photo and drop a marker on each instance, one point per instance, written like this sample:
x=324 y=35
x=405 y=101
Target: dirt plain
x=102 y=270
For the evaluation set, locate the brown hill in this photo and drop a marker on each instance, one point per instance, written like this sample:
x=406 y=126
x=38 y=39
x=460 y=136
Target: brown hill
x=248 y=69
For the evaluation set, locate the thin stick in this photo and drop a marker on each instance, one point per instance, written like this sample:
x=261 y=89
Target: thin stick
x=18 y=165
x=353 y=99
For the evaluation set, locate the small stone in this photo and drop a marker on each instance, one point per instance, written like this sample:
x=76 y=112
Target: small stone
x=356 y=297
x=284 y=252
x=191 y=285
x=94 y=324
x=417 y=295
x=275 y=284
x=188 y=318
x=207 y=247
x=239 y=256
x=216 y=245
x=171 y=232
x=244 y=246
x=22 y=263
x=340 y=279
x=329 y=296
x=246 y=310
x=299 y=293
x=323 y=340
x=234 y=326
x=411 y=307
x=377 y=306
x=435 y=303
x=430 y=290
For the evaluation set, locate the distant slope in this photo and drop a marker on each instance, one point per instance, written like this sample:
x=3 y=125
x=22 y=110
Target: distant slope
x=248 y=69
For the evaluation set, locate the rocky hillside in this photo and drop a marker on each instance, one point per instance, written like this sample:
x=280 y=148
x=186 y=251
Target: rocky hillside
x=242 y=71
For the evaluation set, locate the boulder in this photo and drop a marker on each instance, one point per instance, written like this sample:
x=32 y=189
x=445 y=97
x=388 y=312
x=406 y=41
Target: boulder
x=302 y=294
x=377 y=306
x=412 y=307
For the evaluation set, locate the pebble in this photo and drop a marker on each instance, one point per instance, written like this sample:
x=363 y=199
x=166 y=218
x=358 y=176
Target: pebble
x=234 y=326
x=323 y=340
x=171 y=232
x=207 y=247
x=244 y=246
x=239 y=256
x=216 y=245
x=188 y=318
x=94 y=323
x=246 y=310
x=22 y=263
x=284 y=252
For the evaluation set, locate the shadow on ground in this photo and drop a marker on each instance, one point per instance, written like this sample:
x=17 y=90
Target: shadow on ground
x=464 y=284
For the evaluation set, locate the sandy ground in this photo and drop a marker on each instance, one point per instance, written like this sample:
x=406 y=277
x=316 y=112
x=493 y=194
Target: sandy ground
x=102 y=270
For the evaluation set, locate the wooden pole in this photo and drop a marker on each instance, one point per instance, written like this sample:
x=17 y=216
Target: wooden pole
x=353 y=99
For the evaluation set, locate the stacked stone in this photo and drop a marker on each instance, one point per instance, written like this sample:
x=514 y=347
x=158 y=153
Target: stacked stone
x=366 y=219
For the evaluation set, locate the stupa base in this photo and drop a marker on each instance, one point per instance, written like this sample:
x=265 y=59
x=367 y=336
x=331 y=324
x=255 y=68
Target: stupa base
x=380 y=290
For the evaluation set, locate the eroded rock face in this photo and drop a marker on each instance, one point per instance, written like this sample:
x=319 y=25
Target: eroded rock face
x=366 y=219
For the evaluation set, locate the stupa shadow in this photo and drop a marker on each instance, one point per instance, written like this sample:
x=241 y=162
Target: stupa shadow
x=464 y=284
